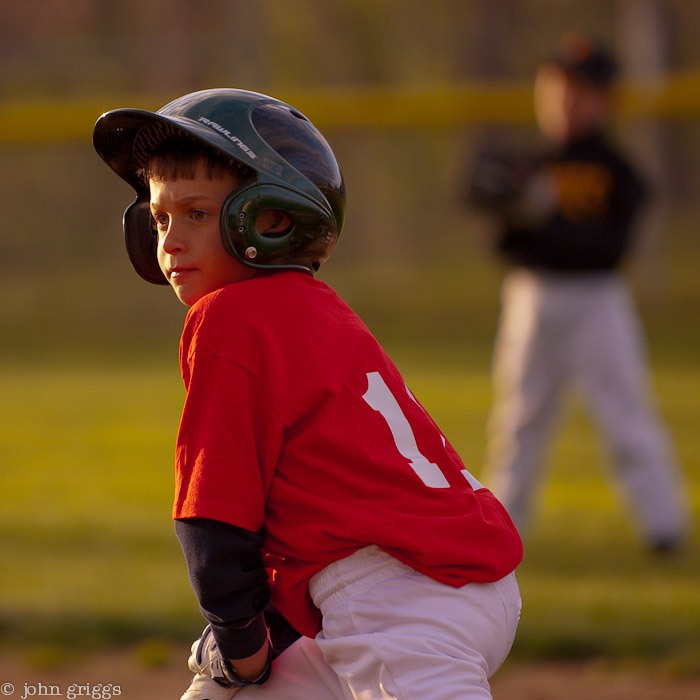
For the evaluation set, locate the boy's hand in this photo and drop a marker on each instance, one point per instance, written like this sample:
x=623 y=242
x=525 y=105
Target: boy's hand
x=206 y=660
x=204 y=688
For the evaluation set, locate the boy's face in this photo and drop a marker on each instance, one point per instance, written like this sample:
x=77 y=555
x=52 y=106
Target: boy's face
x=566 y=108
x=190 y=251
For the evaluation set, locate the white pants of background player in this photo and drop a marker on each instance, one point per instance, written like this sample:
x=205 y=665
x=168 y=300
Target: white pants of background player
x=555 y=329
x=390 y=633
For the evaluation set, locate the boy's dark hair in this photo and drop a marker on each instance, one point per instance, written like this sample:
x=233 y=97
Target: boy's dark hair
x=178 y=157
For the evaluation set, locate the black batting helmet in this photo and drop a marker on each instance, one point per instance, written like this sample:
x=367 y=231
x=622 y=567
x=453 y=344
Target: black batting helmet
x=292 y=168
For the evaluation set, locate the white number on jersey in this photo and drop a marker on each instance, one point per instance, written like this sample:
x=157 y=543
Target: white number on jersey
x=380 y=398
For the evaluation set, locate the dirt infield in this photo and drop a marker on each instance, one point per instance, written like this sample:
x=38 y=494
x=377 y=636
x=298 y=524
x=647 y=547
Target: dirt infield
x=130 y=675
x=589 y=681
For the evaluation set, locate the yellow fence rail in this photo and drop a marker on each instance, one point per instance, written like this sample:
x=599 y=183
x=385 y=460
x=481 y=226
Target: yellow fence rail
x=70 y=120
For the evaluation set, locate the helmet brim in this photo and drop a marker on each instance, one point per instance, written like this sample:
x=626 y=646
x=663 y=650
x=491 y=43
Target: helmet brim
x=116 y=131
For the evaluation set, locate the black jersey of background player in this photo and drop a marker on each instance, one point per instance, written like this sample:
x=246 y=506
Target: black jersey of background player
x=597 y=195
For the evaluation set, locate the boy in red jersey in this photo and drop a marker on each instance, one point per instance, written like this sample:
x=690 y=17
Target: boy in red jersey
x=309 y=480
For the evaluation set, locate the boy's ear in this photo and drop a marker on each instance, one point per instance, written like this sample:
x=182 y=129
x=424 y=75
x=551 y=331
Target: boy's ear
x=272 y=222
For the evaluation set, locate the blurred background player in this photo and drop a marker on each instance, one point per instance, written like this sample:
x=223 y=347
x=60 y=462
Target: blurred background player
x=306 y=472
x=566 y=220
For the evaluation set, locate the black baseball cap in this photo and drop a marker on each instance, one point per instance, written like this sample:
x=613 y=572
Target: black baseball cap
x=579 y=56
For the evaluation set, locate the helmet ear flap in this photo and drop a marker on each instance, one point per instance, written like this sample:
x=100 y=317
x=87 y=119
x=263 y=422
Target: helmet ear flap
x=312 y=232
x=141 y=241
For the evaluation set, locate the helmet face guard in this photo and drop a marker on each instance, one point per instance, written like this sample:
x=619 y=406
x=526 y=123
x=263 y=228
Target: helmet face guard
x=308 y=241
x=292 y=169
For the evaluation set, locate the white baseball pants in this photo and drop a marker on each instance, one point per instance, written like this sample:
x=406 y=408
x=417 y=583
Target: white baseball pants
x=559 y=329
x=391 y=633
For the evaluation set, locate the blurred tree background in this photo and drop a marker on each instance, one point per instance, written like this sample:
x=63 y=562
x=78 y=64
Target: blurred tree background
x=380 y=77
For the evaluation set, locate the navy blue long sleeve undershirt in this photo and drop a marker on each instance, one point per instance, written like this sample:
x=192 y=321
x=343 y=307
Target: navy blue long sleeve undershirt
x=229 y=579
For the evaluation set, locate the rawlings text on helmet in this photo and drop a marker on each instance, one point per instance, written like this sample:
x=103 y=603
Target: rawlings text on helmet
x=228 y=135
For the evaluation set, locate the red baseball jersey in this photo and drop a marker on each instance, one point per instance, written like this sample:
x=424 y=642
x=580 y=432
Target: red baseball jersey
x=297 y=421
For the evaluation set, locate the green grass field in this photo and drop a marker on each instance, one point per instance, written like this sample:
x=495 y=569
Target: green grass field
x=89 y=557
